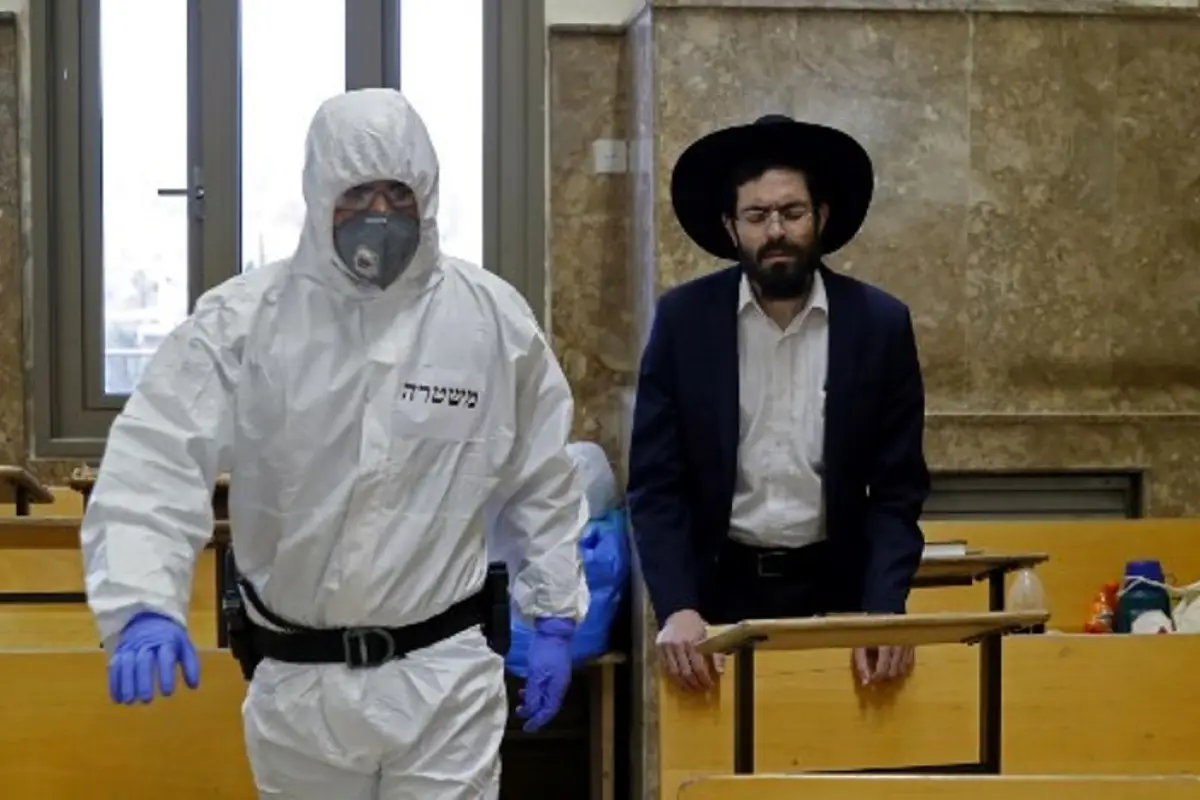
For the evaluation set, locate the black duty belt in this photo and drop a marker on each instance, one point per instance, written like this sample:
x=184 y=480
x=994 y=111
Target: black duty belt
x=361 y=648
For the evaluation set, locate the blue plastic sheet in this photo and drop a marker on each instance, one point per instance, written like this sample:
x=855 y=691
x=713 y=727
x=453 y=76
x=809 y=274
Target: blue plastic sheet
x=604 y=549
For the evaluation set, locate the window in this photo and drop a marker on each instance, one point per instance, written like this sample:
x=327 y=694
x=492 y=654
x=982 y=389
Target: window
x=445 y=84
x=143 y=232
x=312 y=66
x=172 y=162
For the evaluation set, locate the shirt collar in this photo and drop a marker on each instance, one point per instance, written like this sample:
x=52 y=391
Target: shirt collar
x=817 y=298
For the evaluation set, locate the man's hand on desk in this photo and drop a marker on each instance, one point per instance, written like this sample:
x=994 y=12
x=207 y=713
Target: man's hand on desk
x=680 y=659
x=874 y=665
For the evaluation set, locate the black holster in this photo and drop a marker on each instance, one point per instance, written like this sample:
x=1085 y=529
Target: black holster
x=497 y=626
x=238 y=625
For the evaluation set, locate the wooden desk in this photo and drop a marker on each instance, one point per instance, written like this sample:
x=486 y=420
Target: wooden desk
x=852 y=631
x=1084 y=555
x=968 y=569
x=941 y=787
x=20 y=488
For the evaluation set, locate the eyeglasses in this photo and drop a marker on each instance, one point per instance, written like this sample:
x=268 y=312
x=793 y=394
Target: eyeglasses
x=762 y=215
x=359 y=198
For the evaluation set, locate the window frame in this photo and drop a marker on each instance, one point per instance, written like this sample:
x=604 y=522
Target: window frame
x=514 y=154
x=70 y=414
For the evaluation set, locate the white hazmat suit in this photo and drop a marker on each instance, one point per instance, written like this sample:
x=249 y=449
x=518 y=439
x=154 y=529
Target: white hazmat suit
x=371 y=435
x=599 y=484
x=596 y=475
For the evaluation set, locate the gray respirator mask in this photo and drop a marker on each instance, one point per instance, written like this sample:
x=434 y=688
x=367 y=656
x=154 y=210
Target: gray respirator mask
x=377 y=247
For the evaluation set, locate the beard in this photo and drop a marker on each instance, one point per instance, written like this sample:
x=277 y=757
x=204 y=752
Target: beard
x=789 y=276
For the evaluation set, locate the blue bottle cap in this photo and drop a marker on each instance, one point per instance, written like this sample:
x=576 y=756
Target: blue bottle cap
x=1149 y=569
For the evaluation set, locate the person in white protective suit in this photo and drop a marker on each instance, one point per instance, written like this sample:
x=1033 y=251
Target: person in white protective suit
x=377 y=404
x=599 y=484
x=597 y=476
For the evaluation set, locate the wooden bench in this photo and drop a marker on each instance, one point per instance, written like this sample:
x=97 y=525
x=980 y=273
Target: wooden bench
x=42 y=607
x=42 y=604
x=942 y=787
x=1109 y=705
x=63 y=737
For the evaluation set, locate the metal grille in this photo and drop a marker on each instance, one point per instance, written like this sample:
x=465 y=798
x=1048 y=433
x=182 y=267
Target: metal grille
x=1034 y=495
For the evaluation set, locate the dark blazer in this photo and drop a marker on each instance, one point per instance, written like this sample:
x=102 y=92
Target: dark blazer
x=683 y=456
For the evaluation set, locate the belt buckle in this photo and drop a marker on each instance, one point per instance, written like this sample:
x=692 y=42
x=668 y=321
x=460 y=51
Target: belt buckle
x=356 y=644
x=764 y=561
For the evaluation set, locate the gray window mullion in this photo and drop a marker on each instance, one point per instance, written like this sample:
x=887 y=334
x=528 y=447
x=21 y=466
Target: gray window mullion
x=219 y=121
x=390 y=21
x=372 y=43
x=64 y=420
x=43 y=68
x=195 y=155
x=514 y=146
x=91 y=220
x=66 y=204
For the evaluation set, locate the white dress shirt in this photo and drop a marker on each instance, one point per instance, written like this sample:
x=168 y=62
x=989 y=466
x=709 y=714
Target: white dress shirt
x=778 y=500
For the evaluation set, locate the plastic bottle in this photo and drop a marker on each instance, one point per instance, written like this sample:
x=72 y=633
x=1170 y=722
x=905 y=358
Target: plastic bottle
x=1027 y=594
x=1139 y=596
x=1104 y=608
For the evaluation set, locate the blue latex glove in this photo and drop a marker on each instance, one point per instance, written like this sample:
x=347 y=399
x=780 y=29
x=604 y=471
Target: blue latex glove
x=549 y=672
x=149 y=644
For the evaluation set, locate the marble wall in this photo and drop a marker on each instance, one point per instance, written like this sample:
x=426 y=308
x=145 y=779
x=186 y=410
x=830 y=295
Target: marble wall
x=591 y=293
x=1037 y=185
x=12 y=377
x=1037 y=207
x=14 y=269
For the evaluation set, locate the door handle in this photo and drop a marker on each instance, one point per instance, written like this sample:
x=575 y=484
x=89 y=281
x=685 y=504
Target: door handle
x=195 y=194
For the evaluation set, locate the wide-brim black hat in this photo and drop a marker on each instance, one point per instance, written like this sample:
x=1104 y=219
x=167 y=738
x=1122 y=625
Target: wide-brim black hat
x=701 y=183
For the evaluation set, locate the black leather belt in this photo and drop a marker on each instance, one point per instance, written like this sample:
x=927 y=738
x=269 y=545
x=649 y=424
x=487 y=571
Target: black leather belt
x=361 y=648
x=778 y=562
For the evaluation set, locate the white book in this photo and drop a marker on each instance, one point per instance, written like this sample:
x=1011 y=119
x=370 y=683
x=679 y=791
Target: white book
x=950 y=549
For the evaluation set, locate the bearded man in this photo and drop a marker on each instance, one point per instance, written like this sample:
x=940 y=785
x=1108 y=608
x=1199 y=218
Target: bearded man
x=776 y=467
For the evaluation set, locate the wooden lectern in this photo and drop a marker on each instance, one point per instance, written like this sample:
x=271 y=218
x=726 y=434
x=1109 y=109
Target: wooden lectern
x=850 y=631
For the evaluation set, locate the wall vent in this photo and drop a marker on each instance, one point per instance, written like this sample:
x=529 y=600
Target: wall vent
x=1034 y=495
